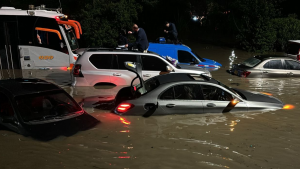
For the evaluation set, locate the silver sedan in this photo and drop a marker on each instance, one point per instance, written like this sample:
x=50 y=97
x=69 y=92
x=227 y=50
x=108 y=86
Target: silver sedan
x=267 y=66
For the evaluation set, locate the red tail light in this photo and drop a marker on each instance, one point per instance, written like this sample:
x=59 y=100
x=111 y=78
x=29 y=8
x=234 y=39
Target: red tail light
x=124 y=107
x=77 y=71
x=298 y=56
x=246 y=73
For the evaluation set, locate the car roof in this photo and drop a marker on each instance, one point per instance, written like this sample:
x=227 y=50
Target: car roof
x=111 y=50
x=184 y=77
x=170 y=45
x=22 y=86
x=270 y=56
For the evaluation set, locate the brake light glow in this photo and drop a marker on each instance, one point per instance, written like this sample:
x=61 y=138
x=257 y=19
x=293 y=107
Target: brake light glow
x=77 y=71
x=298 y=56
x=246 y=73
x=124 y=107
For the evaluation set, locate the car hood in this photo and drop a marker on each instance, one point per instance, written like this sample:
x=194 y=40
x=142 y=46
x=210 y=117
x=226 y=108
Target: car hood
x=258 y=97
x=210 y=62
x=192 y=70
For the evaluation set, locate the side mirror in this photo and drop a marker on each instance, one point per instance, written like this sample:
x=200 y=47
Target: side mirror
x=8 y=119
x=169 y=69
x=196 y=61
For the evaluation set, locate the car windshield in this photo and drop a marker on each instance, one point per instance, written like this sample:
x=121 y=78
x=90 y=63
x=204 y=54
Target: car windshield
x=72 y=39
x=200 y=58
x=150 y=85
x=228 y=88
x=251 y=62
x=46 y=105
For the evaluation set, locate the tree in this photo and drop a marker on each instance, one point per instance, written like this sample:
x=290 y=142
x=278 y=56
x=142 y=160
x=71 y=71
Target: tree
x=253 y=20
x=101 y=20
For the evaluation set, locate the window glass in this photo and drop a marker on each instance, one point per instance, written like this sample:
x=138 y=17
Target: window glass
x=46 y=105
x=6 y=109
x=183 y=92
x=150 y=85
x=125 y=58
x=153 y=63
x=251 y=62
x=185 y=57
x=215 y=93
x=168 y=95
x=101 y=61
x=292 y=65
x=273 y=64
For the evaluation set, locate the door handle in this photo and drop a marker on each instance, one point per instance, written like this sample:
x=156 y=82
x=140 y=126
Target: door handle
x=170 y=105
x=146 y=75
x=265 y=72
x=117 y=74
x=211 y=105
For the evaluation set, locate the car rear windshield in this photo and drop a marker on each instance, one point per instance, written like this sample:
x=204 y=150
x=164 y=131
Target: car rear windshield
x=293 y=48
x=46 y=106
x=251 y=62
x=150 y=85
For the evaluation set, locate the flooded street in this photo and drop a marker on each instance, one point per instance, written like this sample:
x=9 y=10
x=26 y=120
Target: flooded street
x=241 y=140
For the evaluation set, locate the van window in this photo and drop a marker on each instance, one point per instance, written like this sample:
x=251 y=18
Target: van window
x=153 y=63
x=273 y=64
x=183 y=92
x=120 y=59
x=101 y=61
x=185 y=57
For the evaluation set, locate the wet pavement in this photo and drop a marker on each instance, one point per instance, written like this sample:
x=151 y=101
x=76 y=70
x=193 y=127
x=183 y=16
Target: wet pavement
x=239 y=140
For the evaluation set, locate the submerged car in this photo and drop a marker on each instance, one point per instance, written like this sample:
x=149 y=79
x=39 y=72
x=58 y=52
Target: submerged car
x=267 y=66
x=37 y=108
x=184 y=55
x=183 y=93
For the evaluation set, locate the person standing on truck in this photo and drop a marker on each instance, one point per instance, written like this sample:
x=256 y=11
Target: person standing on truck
x=141 y=41
x=122 y=39
x=171 y=31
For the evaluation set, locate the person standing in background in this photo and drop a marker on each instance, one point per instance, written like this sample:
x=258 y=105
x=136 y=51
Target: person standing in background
x=141 y=42
x=122 y=39
x=171 y=31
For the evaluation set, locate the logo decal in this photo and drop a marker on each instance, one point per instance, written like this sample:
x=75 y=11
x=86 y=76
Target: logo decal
x=46 y=57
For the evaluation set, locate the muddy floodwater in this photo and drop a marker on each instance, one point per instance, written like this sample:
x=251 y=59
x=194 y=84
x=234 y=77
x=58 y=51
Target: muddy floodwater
x=241 y=140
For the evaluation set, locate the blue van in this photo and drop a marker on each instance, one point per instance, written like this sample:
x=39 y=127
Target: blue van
x=183 y=54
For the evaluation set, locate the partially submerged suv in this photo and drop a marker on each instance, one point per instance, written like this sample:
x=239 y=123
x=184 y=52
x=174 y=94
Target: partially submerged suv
x=97 y=66
x=40 y=109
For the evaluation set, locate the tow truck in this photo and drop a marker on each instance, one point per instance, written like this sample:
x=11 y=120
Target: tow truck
x=40 y=39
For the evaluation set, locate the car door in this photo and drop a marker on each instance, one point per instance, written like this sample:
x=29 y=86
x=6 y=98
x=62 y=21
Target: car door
x=100 y=71
x=152 y=66
x=182 y=99
x=218 y=100
x=273 y=69
x=185 y=57
x=120 y=75
x=293 y=68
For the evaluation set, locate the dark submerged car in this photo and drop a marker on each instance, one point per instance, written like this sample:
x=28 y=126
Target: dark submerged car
x=40 y=109
x=180 y=93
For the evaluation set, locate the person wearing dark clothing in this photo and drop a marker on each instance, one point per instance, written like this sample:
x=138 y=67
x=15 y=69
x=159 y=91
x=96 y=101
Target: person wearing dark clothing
x=171 y=31
x=141 y=42
x=122 y=40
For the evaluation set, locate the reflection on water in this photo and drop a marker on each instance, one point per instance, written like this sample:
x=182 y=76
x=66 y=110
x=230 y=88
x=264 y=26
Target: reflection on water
x=231 y=140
